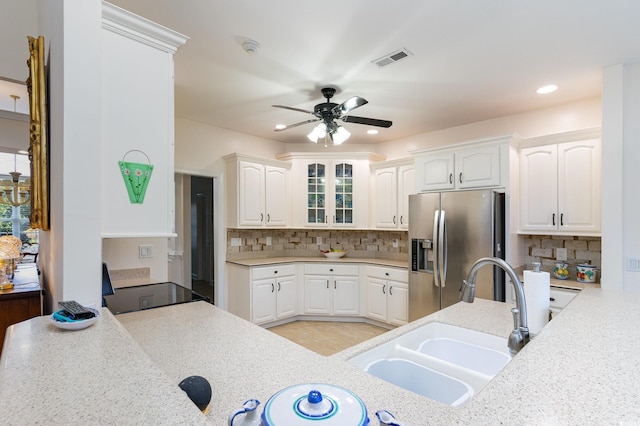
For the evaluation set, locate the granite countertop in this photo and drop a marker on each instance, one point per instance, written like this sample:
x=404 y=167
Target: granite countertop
x=302 y=259
x=580 y=369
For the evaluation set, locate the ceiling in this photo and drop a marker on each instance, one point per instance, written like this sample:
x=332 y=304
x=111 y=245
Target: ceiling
x=472 y=60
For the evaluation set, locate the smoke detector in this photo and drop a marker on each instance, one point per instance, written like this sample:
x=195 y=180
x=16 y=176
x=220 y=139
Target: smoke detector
x=251 y=46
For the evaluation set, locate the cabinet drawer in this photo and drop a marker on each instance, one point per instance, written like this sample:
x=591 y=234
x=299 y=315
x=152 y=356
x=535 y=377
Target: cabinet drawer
x=330 y=269
x=395 y=274
x=560 y=297
x=280 y=270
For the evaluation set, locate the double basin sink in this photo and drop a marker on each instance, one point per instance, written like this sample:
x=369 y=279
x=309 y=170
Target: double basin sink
x=440 y=361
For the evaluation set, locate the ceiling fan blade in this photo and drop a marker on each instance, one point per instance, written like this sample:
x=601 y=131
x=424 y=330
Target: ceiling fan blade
x=297 y=124
x=367 y=121
x=293 y=109
x=349 y=105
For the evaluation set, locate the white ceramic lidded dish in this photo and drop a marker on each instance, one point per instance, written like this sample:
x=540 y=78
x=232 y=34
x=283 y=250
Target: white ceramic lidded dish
x=586 y=273
x=315 y=403
x=334 y=254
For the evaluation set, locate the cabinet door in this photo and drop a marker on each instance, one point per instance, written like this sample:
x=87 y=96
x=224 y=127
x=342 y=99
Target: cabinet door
x=397 y=303
x=436 y=172
x=406 y=186
x=317 y=197
x=377 y=299
x=286 y=300
x=478 y=167
x=346 y=300
x=385 y=196
x=579 y=186
x=276 y=196
x=538 y=188
x=317 y=294
x=343 y=194
x=251 y=194
x=263 y=300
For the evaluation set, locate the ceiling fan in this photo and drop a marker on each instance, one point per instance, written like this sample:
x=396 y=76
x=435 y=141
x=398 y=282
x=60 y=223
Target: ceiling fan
x=328 y=112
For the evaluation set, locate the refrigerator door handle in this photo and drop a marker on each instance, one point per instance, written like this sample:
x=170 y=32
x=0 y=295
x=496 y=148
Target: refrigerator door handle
x=436 y=248
x=443 y=248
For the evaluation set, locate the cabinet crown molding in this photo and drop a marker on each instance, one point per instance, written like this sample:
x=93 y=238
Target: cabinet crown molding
x=510 y=138
x=409 y=161
x=261 y=160
x=370 y=156
x=127 y=24
x=555 y=138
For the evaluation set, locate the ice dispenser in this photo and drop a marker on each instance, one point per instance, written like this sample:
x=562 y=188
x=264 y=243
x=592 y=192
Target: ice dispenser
x=421 y=255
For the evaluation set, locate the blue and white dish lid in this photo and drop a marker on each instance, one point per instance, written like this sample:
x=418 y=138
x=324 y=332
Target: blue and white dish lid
x=315 y=403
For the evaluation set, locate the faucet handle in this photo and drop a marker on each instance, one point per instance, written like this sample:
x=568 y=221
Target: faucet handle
x=516 y=338
x=516 y=318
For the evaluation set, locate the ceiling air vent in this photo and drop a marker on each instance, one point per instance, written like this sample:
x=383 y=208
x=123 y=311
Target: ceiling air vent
x=392 y=57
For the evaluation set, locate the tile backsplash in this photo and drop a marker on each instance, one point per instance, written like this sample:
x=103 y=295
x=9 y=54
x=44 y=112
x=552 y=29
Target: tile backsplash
x=543 y=249
x=302 y=242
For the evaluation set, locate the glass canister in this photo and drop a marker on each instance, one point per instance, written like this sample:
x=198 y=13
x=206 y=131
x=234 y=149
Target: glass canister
x=561 y=270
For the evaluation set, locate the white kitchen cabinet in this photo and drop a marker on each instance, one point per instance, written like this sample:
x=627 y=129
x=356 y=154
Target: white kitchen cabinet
x=388 y=294
x=331 y=289
x=273 y=294
x=461 y=168
x=257 y=192
x=559 y=298
x=331 y=190
x=560 y=188
x=391 y=188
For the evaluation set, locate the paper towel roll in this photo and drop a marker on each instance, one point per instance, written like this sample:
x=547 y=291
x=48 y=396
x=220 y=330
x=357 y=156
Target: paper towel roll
x=536 y=293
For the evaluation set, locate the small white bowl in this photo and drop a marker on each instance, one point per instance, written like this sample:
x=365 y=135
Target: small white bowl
x=76 y=325
x=334 y=254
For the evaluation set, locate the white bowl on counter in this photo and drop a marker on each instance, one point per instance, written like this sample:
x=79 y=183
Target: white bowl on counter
x=334 y=254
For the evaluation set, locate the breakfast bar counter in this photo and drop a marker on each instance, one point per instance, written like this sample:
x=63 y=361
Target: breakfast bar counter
x=581 y=369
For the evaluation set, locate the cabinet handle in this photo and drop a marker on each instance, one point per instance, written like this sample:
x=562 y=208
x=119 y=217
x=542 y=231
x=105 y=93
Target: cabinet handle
x=561 y=219
x=272 y=288
x=383 y=287
x=330 y=269
x=278 y=285
x=450 y=177
x=552 y=299
x=553 y=219
x=335 y=285
x=275 y=272
x=460 y=177
x=326 y=220
x=261 y=217
x=390 y=289
x=401 y=223
x=327 y=283
x=334 y=218
x=394 y=219
x=268 y=218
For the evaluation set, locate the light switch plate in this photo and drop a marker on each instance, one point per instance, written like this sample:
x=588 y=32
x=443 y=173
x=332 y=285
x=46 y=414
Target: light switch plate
x=236 y=242
x=319 y=241
x=268 y=240
x=561 y=254
x=395 y=243
x=145 y=252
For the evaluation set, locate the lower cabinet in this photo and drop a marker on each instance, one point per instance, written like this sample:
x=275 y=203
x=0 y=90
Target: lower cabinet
x=273 y=293
x=331 y=289
x=387 y=295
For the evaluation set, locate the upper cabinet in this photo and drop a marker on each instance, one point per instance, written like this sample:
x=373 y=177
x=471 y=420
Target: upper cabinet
x=477 y=164
x=332 y=189
x=560 y=189
x=137 y=125
x=257 y=192
x=393 y=182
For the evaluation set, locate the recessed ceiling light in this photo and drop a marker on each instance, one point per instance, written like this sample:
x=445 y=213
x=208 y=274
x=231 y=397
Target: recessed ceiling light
x=547 y=89
x=280 y=126
x=372 y=132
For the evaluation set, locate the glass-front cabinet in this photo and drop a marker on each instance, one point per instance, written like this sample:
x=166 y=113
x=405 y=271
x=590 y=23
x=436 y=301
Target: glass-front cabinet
x=330 y=193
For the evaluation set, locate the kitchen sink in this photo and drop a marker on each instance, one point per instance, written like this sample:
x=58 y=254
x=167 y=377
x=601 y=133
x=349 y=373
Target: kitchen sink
x=460 y=360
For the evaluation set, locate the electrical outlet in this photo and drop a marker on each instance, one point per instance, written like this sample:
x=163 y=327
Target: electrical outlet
x=395 y=243
x=145 y=252
x=319 y=241
x=561 y=254
x=236 y=242
x=268 y=241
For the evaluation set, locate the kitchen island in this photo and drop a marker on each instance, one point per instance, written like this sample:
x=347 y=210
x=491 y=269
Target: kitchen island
x=581 y=369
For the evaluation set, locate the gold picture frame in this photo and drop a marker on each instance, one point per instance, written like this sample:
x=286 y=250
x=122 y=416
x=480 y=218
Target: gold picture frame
x=36 y=86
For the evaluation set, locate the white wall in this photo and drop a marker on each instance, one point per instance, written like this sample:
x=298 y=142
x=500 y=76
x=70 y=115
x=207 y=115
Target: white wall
x=620 y=176
x=71 y=255
x=18 y=19
x=122 y=253
x=561 y=118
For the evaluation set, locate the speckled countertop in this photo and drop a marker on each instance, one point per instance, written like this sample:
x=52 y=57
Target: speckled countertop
x=298 y=259
x=581 y=369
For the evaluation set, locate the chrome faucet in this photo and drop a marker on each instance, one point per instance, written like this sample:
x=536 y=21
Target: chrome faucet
x=520 y=334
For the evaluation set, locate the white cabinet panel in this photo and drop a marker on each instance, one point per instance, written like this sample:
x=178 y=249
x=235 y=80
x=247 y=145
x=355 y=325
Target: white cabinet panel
x=273 y=293
x=388 y=295
x=317 y=295
x=264 y=301
x=390 y=193
x=251 y=194
x=276 y=196
x=331 y=289
x=560 y=188
x=437 y=172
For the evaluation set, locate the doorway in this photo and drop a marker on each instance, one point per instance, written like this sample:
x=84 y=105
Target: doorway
x=202 y=247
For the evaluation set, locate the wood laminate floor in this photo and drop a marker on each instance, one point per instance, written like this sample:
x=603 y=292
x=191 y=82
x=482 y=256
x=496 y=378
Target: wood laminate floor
x=327 y=337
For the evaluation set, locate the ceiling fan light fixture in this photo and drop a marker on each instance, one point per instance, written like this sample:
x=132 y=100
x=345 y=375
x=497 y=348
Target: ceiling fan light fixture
x=341 y=134
x=318 y=132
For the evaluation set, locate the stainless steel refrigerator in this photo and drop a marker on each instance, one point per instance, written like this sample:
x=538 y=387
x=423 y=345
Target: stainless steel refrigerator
x=448 y=232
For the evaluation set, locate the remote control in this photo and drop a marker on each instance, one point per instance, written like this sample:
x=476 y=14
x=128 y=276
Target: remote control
x=75 y=310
